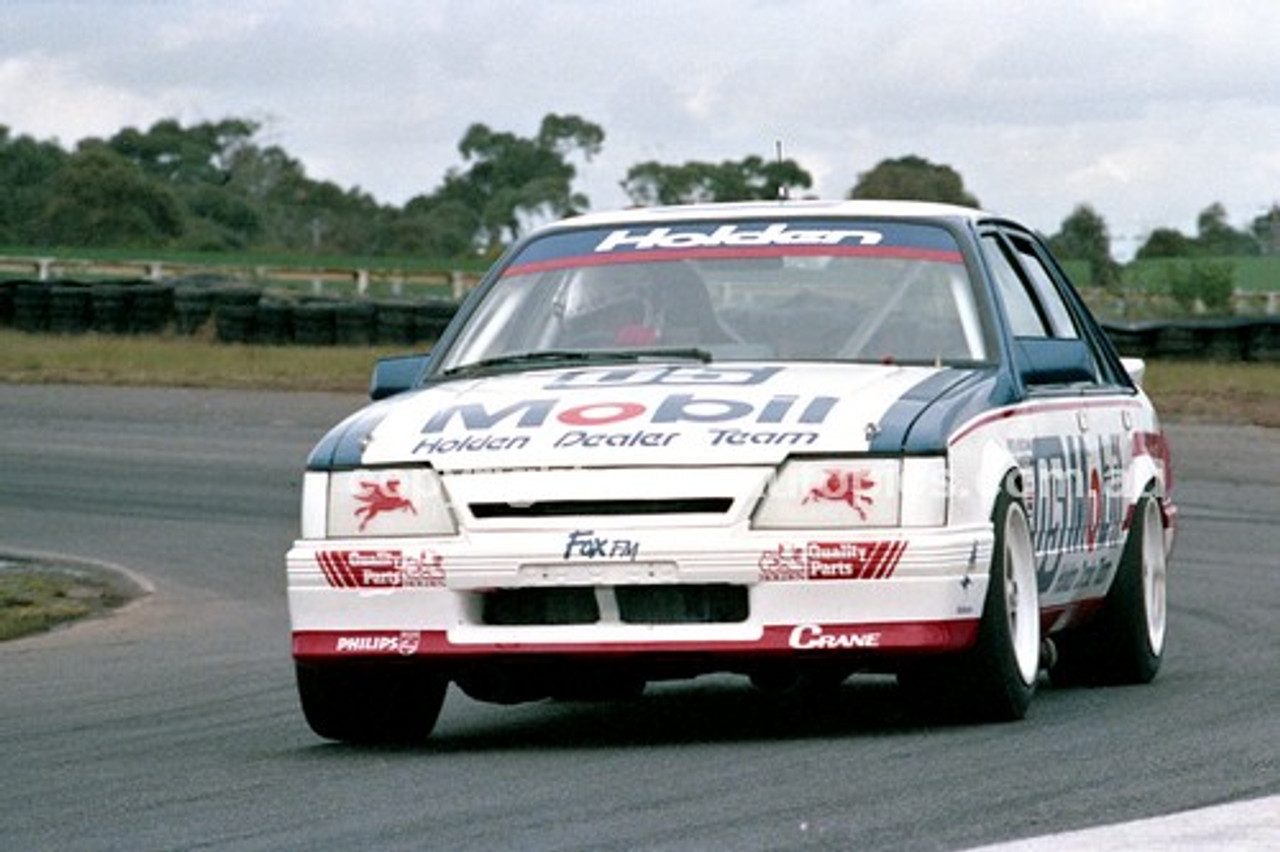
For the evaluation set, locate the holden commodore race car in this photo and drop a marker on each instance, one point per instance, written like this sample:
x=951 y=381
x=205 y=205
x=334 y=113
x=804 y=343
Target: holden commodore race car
x=790 y=440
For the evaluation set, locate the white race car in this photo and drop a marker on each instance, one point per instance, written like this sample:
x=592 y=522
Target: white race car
x=790 y=440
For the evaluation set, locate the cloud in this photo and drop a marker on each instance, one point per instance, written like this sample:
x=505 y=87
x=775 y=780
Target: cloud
x=53 y=98
x=1148 y=109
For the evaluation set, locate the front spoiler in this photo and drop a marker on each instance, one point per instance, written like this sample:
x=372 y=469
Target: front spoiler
x=774 y=640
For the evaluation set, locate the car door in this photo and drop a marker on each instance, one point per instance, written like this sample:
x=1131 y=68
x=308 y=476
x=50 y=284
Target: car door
x=1073 y=433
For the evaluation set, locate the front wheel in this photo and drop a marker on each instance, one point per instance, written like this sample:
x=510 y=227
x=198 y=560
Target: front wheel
x=995 y=680
x=1002 y=668
x=370 y=702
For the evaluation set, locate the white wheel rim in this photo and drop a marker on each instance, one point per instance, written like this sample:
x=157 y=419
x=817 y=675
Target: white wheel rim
x=1021 y=597
x=1153 y=577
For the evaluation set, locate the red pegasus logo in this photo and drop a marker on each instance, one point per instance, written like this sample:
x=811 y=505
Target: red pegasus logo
x=380 y=497
x=845 y=486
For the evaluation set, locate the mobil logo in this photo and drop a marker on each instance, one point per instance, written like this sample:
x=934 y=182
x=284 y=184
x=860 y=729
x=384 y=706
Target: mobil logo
x=674 y=408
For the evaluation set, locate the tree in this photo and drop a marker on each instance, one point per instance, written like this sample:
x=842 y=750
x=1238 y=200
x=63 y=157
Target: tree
x=1084 y=236
x=913 y=178
x=100 y=199
x=1166 y=243
x=200 y=154
x=1217 y=237
x=750 y=179
x=512 y=180
x=1266 y=230
x=27 y=169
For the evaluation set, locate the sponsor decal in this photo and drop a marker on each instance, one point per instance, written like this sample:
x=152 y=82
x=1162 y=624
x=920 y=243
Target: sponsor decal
x=590 y=440
x=382 y=569
x=588 y=418
x=636 y=377
x=815 y=636
x=851 y=487
x=376 y=498
x=656 y=242
x=785 y=562
x=471 y=444
x=406 y=644
x=831 y=560
x=675 y=408
x=776 y=234
x=585 y=544
x=743 y=437
x=1075 y=496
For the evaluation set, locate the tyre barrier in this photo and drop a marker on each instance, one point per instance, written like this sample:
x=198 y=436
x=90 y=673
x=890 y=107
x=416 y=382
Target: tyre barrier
x=431 y=316
x=7 y=289
x=395 y=324
x=31 y=306
x=150 y=306
x=110 y=309
x=314 y=324
x=192 y=308
x=70 y=308
x=273 y=323
x=1215 y=339
x=354 y=323
x=235 y=314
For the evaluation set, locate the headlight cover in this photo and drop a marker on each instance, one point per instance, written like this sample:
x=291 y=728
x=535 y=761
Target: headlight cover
x=854 y=493
x=384 y=502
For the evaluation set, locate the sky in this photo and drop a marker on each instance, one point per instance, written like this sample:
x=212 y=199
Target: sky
x=1147 y=110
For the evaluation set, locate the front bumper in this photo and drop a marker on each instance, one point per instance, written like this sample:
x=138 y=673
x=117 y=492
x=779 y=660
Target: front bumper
x=613 y=592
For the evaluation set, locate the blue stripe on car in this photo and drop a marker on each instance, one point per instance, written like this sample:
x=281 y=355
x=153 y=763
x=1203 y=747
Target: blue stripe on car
x=923 y=417
x=343 y=447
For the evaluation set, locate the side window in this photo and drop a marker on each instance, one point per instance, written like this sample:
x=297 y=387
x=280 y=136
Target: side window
x=1025 y=319
x=1050 y=299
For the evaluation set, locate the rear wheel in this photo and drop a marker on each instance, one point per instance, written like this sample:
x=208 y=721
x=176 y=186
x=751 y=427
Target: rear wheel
x=1124 y=644
x=370 y=702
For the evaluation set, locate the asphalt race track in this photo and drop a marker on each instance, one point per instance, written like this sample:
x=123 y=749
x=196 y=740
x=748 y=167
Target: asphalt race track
x=174 y=724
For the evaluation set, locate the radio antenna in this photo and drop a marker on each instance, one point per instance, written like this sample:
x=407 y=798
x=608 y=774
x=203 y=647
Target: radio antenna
x=783 y=195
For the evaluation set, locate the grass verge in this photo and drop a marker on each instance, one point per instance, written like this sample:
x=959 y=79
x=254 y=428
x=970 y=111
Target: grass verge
x=35 y=598
x=182 y=362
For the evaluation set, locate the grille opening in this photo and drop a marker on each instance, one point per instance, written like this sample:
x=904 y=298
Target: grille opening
x=682 y=604
x=666 y=603
x=511 y=607
x=558 y=508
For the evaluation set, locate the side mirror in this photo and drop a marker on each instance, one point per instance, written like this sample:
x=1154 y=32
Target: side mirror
x=1055 y=361
x=395 y=374
x=1136 y=368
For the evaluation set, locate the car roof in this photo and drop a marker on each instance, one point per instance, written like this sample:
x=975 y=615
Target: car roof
x=782 y=208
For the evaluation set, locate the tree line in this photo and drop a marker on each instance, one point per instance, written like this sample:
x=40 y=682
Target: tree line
x=216 y=186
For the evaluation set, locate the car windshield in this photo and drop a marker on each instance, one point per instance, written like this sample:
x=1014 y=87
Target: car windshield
x=807 y=289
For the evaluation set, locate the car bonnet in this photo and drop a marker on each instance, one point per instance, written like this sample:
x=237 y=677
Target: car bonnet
x=641 y=415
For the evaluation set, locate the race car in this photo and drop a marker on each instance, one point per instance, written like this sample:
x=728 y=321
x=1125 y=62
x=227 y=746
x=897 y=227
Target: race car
x=790 y=440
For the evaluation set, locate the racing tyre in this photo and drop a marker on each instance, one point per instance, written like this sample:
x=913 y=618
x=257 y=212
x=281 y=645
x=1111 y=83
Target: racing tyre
x=368 y=703
x=1000 y=672
x=1124 y=644
x=993 y=681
